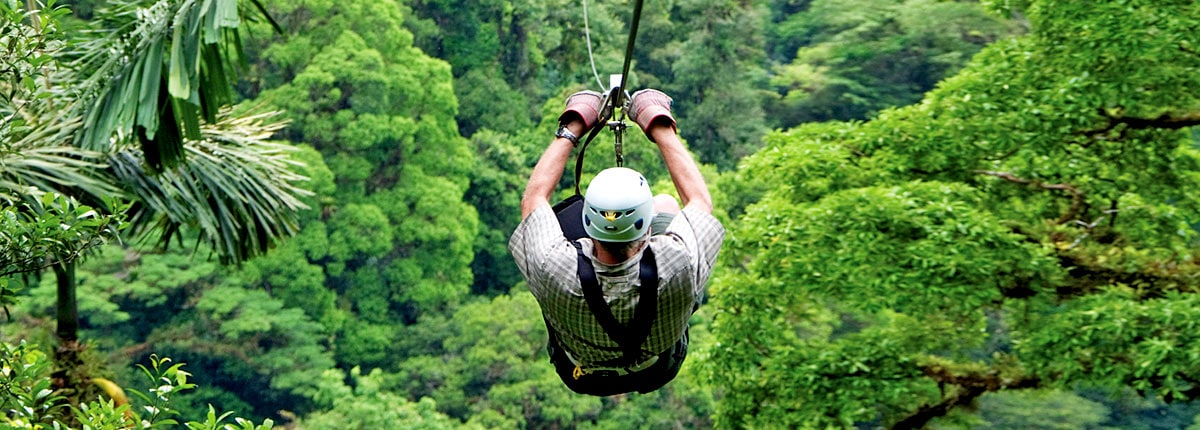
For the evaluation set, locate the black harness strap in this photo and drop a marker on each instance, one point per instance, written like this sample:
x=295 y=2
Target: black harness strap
x=629 y=338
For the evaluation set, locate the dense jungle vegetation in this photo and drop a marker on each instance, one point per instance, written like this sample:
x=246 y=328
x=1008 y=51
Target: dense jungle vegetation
x=941 y=214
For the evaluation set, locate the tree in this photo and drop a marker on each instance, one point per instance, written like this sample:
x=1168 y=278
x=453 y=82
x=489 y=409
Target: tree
x=162 y=78
x=198 y=166
x=366 y=406
x=256 y=353
x=721 y=118
x=393 y=237
x=838 y=60
x=508 y=56
x=48 y=187
x=1028 y=224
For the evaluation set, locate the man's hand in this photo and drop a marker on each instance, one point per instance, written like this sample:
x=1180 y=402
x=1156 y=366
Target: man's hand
x=581 y=114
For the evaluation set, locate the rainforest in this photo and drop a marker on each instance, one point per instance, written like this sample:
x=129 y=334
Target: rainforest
x=255 y=214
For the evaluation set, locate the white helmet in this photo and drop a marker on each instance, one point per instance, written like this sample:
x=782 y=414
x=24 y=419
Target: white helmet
x=618 y=206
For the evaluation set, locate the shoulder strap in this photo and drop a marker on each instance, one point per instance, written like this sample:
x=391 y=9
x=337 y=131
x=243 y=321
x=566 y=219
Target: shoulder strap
x=630 y=339
x=647 y=309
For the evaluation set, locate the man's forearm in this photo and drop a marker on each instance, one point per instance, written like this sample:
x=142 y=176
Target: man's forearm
x=690 y=185
x=548 y=171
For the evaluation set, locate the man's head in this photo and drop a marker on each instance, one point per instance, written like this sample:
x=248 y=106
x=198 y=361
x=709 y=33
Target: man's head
x=618 y=206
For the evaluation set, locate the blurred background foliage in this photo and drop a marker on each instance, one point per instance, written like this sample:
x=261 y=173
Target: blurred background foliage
x=941 y=214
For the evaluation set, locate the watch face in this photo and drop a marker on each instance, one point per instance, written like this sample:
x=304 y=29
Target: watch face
x=565 y=133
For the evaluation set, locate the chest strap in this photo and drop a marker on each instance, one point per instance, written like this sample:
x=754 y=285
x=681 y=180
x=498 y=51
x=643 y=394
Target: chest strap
x=629 y=338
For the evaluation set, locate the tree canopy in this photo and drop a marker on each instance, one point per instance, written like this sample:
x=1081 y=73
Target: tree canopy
x=940 y=214
x=1028 y=224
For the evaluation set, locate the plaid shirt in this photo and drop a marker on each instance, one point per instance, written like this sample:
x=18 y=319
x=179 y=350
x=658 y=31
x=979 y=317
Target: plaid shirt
x=685 y=254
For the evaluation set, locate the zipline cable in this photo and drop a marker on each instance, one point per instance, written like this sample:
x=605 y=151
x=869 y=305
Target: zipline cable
x=614 y=96
x=587 y=35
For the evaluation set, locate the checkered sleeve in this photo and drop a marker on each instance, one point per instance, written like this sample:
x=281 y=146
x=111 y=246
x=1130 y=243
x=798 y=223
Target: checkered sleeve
x=701 y=235
x=540 y=250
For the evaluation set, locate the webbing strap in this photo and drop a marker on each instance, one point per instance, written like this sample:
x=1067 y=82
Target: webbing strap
x=583 y=150
x=629 y=338
x=633 y=28
x=616 y=94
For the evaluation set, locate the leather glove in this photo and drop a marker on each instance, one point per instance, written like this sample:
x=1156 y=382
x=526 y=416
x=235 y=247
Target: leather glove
x=649 y=106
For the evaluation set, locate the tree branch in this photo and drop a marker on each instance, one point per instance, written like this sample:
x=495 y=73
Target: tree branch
x=1153 y=280
x=1166 y=120
x=1170 y=121
x=970 y=385
x=1077 y=197
x=1116 y=117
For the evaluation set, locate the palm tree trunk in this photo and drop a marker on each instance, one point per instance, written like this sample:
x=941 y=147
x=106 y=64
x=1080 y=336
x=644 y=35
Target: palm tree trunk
x=70 y=374
x=67 y=309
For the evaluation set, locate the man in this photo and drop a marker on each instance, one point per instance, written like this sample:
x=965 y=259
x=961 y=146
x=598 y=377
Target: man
x=601 y=341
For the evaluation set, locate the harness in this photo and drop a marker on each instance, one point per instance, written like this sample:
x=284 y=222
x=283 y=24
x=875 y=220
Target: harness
x=629 y=338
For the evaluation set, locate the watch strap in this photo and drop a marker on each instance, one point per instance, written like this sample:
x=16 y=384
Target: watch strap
x=564 y=133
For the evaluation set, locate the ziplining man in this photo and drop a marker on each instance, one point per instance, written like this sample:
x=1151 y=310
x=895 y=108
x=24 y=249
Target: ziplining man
x=617 y=303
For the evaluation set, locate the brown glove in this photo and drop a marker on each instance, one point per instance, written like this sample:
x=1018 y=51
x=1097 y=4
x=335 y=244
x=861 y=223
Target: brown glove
x=585 y=104
x=649 y=106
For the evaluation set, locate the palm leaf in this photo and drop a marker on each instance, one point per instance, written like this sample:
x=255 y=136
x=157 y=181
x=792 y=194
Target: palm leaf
x=166 y=67
x=37 y=157
x=238 y=191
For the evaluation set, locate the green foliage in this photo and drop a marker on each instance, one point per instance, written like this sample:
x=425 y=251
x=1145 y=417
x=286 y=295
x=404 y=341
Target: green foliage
x=54 y=202
x=895 y=242
x=398 y=238
x=235 y=322
x=168 y=380
x=1025 y=225
x=364 y=405
x=527 y=52
x=288 y=277
x=486 y=102
x=31 y=403
x=1029 y=223
x=843 y=60
x=237 y=191
x=495 y=193
x=1033 y=409
x=52 y=229
x=106 y=90
x=169 y=66
x=28 y=400
x=1116 y=339
x=33 y=37
x=721 y=118
x=492 y=359
x=359 y=231
x=241 y=339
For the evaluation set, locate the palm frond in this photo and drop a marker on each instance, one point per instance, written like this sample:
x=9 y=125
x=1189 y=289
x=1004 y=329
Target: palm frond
x=166 y=67
x=64 y=170
x=36 y=155
x=238 y=191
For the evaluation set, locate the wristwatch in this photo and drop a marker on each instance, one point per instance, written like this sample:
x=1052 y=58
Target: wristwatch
x=564 y=133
